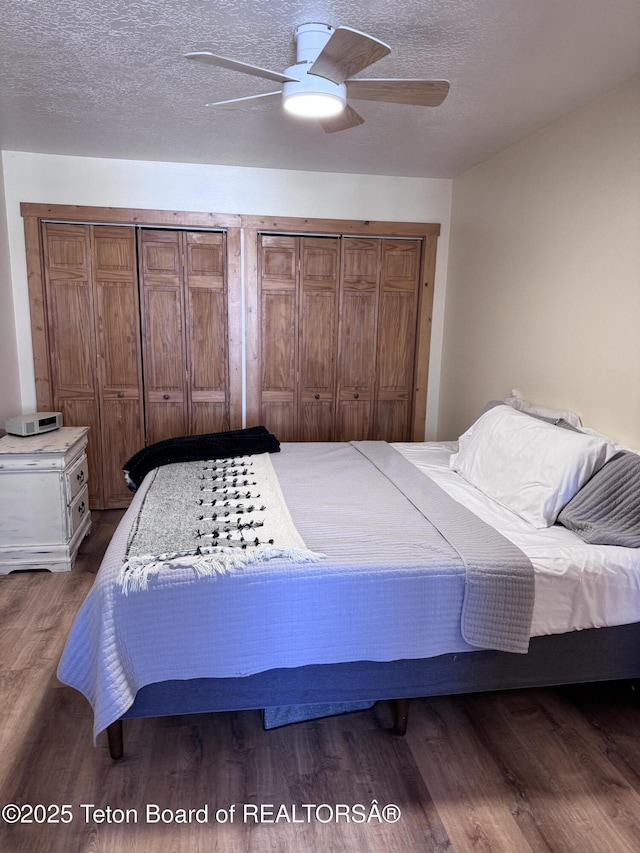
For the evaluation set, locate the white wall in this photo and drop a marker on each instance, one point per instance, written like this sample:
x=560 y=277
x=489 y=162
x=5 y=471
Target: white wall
x=10 y=401
x=51 y=179
x=543 y=293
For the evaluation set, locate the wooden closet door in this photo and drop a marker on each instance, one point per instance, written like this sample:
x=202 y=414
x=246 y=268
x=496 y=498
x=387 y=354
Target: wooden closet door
x=358 y=338
x=163 y=334
x=397 y=329
x=119 y=355
x=317 y=341
x=71 y=335
x=207 y=337
x=277 y=276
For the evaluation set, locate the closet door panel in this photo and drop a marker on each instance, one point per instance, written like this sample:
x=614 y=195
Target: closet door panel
x=165 y=418
x=119 y=356
x=70 y=309
x=317 y=344
x=397 y=329
x=72 y=342
x=84 y=412
x=278 y=342
x=278 y=261
x=208 y=416
x=207 y=339
x=392 y=418
x=357 y=344
x=164 y=364
x=71 y=335
x=278 y=403
x=209 y=408
x=279 y=416
x=316 y=418
x=118 y=336
x=278 y=281
x=318 y=341
x=357 y=341
x=163 y=335
x=207 y=332
x=122 y=437
x=353 y=421
x=396 y=341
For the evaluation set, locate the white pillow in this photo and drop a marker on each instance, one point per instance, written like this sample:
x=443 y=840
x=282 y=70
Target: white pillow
x=528 y=466
x=516 y=400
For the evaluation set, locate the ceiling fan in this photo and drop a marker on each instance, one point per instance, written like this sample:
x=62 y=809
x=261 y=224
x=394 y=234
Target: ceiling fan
x=321 y=81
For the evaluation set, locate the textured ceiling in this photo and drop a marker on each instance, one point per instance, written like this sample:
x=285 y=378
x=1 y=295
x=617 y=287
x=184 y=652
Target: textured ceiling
x=107 y=78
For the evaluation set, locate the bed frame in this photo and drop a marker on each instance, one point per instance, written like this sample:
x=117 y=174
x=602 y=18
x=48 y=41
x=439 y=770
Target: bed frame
x=596 y=654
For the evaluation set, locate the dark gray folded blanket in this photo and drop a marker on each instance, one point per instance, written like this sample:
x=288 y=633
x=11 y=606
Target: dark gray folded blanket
x=191 y=448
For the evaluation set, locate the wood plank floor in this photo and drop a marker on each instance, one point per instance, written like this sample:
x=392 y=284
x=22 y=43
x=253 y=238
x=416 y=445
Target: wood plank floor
x=514 y=772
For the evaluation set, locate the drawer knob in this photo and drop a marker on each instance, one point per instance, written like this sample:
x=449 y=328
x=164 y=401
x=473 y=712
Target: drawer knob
x=80 y=476
x=356 y=396
x=317 y=396
x=82 y=508
x=165 y=396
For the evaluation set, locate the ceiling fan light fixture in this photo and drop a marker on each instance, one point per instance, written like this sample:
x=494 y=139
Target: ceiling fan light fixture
x=312 y=96
x=313 y=104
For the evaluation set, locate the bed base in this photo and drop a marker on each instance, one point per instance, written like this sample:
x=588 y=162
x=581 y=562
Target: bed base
x=115 y=733
x=596 y=654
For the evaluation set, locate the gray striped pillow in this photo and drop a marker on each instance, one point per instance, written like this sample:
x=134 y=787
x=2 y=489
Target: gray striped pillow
x=606 y=510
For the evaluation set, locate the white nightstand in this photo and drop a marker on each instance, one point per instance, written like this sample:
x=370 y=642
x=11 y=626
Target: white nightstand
x=44 y=503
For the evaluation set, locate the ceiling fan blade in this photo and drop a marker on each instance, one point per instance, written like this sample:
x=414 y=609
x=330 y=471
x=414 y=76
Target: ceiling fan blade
x=250 y=101
x=424 y=93
x=210 y=58
x=347 y=52
x=343 y=121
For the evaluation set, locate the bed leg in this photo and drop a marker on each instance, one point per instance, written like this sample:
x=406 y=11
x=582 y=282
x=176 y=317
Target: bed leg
x=400 y=715
x=115 y=739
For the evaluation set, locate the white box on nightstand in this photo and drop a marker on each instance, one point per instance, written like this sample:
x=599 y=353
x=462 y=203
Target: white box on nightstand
x=44 y=501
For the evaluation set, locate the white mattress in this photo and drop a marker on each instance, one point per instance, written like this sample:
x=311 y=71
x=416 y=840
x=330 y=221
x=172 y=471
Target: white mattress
x=577 y=585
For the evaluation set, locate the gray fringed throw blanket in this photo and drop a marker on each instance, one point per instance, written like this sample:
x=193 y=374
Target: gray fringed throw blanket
x=212 y=516
x=191 y=448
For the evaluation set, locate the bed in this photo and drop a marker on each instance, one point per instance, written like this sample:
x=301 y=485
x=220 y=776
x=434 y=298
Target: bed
x=411 y=581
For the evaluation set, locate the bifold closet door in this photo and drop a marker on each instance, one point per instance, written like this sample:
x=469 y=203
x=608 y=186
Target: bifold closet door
x=117 y=314
x=71 y=337
x=396 y=344
x=338 y=335
x=163 y=334
x=184 y=332
x=94 y=346
x=298 y=282
x=207 y=335
x=358 y=338
x=317 y=340
x=378 y=338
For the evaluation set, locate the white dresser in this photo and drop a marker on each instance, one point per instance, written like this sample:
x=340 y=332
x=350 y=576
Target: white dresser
x=44 y=503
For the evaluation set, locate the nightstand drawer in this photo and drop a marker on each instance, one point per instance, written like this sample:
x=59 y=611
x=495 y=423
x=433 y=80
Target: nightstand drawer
x=78 y=510
x=77 y=477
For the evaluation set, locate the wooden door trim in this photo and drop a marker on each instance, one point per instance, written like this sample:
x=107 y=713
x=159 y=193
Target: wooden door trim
x=423 y=337
x=38 y=312
x=234 y=325
x=85 y=214
x=336 y=227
